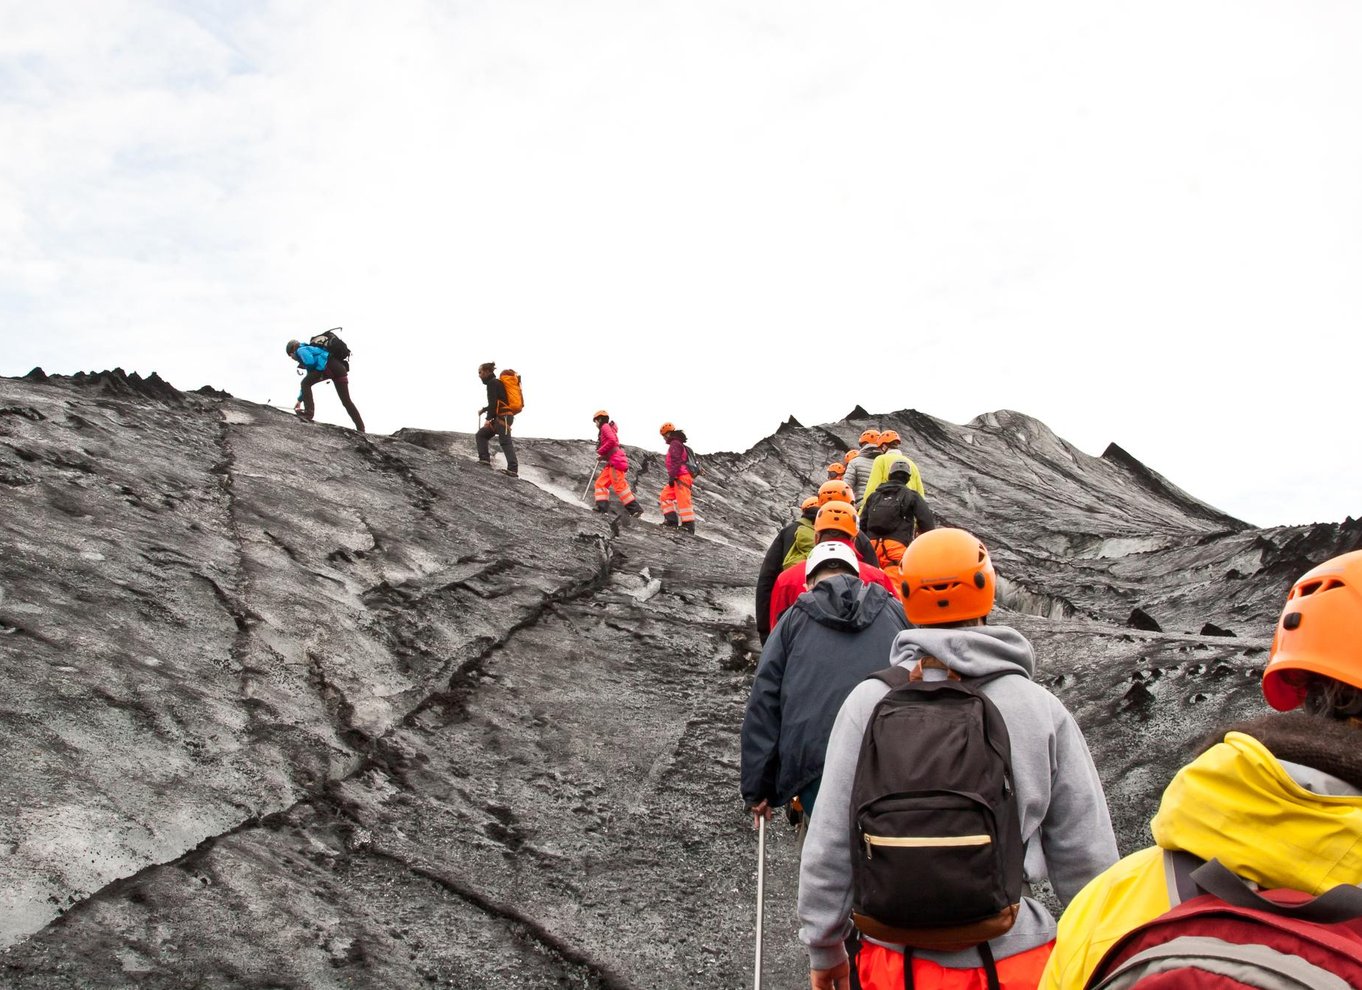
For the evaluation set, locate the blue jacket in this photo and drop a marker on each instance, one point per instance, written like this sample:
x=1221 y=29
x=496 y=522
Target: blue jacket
x=312 y=358
x=822 y=647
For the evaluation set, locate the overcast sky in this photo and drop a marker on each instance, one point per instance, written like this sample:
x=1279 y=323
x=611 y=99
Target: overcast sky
x=1140 y=223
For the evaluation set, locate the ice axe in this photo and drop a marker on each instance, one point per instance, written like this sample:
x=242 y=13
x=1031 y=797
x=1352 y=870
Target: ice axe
x=761 y=896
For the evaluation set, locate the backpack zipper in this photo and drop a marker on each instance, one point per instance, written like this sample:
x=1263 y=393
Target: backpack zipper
x=921 y=841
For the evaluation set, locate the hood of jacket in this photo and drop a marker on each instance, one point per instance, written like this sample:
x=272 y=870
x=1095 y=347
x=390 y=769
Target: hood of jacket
x=971 y=651
x=1238 y=804
x=843 y=602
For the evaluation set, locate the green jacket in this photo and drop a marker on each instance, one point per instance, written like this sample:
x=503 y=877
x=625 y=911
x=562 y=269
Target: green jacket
x=804 y=539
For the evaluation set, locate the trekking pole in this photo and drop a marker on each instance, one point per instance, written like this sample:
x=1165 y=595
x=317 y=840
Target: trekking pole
x=761 y=895
x=591 y=479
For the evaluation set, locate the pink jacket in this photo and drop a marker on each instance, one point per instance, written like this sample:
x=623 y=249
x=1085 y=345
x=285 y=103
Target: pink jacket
x=608 y=448
x=677 y=461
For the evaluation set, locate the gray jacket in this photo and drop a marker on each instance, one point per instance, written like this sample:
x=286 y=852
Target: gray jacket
x=858 y=471
x=1063 y=811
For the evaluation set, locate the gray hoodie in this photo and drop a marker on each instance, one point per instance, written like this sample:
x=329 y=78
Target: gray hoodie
x=858 y=471
x=1063 y=811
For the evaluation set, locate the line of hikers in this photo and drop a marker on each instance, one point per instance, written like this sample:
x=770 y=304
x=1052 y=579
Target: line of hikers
x=947 y=781
x=326 y=357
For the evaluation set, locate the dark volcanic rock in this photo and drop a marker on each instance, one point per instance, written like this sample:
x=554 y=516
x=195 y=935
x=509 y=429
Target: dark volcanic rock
x=289 y=706
x=1140 y=619
x=1211 y=629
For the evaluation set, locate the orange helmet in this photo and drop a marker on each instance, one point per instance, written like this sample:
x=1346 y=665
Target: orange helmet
x=947 y=577
x=870 y=436
x=599 y=414
x=889 y=436
x=851 y=456
x=836 y=515
x=810 y=503
x=836 y=469
x=666 y=428
x=835 y=491
x=1319 y=632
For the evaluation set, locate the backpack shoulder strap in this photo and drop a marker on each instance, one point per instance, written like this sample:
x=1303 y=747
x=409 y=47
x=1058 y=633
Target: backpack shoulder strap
x=1178 y=867
x=895 y=676
x=1342 y=903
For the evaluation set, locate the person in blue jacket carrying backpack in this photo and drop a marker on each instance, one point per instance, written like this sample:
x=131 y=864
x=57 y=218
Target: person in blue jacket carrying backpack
x=321 y=365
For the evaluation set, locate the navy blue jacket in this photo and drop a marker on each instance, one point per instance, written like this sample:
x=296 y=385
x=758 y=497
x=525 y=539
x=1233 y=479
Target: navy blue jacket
x=822 y=647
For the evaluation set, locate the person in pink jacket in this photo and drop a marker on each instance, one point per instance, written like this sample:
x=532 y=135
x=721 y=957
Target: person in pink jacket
x=675 y=501
x=614 y=464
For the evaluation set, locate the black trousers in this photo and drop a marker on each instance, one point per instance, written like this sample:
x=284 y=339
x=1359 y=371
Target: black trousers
x=501 y=429
x=338 y=373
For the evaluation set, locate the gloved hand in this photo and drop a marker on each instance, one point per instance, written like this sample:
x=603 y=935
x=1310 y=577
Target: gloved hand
x=837 y=978
x=482 y=410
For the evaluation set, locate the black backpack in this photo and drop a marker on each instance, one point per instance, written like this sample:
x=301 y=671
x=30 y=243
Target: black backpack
x=883 y=514
x=935 y=830
x=336 y=347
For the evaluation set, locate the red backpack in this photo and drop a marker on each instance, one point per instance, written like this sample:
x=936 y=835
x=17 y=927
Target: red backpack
x=1235 y=938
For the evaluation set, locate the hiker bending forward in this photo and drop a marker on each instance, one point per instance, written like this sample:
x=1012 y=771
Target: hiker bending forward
x=322 y=366
x=1066 y=831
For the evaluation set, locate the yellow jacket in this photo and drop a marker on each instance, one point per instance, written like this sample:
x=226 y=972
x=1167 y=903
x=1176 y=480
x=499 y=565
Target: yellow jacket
x=879 y=473
x=1235 y=803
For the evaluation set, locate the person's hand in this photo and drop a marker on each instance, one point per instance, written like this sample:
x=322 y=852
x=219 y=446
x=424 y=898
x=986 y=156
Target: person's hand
x=482 y=411
x=759 y=811
x=489 y=425
x=837 y=978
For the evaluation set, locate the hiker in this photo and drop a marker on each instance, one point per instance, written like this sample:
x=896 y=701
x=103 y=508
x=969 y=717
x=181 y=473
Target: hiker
x=1060 y=827
x=322 y=366
x=804 y=535
x=675 y=499
x=836 y=470
x=879 y=469
x=822 y=647
x=614 y=464
x=1276 y=800
x=499 y=418
x=779 y=551
x=858 y=467
x=835 y=521
x=893 y=515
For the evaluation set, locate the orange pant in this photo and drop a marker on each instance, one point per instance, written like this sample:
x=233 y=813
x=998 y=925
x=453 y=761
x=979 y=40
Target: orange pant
x=890 y=554
x=676 y=498
x=616 y=479
x=882 y=969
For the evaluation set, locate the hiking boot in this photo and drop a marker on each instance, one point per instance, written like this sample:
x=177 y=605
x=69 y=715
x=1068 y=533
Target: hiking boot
x=634 y=509
x=670 y=519
x=306 y=417
x=485 y=464
x=602 y=506
x=689 y=527
x=513 y=472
